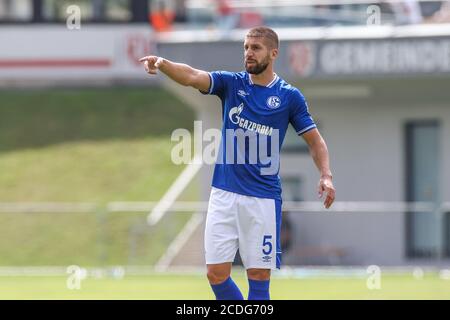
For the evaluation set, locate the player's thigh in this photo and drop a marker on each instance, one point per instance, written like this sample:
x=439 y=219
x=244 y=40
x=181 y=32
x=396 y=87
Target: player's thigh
x=221 y=232
x=259 y=229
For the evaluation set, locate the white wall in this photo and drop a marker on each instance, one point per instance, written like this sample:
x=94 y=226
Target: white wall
x=55 y=53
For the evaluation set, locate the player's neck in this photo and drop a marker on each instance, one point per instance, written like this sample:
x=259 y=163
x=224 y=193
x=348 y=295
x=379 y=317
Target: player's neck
x=264 y=78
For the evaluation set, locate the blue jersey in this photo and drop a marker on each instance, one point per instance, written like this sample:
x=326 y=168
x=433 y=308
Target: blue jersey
x=261 y=111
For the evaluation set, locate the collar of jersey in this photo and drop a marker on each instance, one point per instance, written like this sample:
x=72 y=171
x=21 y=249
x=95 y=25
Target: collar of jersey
x=269 y=85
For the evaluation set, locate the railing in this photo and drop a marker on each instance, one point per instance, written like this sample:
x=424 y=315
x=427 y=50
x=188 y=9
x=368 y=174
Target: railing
x=117 y=233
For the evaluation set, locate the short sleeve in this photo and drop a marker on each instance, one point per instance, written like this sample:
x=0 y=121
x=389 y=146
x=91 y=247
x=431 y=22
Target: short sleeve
x=220 y=81
x=299 y=115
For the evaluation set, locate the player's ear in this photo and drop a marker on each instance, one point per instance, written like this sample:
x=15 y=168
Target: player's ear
x=274 y=53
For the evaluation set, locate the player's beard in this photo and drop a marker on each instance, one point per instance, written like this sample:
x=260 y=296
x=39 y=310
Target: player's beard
x=257 y=68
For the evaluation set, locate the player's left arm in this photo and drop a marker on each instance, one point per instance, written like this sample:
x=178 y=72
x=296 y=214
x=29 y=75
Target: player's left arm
x=319 y=152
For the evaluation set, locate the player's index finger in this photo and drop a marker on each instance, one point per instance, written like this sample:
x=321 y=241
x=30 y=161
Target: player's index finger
x=143 y=59
x=158 y=62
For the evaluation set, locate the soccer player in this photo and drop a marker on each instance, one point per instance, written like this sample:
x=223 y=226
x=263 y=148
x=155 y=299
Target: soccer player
x=244 y=210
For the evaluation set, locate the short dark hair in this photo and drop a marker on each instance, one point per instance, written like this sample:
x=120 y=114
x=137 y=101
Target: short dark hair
x=270 y=36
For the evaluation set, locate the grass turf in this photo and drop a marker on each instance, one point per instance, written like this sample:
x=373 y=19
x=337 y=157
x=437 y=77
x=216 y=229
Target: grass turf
x=87 y=145
x=186 y=287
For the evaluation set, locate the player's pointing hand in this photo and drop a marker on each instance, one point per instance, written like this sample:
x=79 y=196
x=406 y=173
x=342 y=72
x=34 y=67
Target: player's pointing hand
x=151 y=63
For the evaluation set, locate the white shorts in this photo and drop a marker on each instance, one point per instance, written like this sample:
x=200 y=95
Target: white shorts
x=250 y=224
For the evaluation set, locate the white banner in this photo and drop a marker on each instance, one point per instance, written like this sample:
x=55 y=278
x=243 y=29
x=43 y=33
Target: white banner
x=58 y=53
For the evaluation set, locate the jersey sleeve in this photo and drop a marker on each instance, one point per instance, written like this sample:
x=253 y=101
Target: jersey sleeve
x=299 y=115
x=220 y=81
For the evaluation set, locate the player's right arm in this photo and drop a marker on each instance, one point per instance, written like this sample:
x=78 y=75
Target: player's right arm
x=178 y=72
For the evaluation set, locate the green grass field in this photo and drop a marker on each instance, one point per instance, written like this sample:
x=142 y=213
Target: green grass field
x=186 y=287
x=87 y=145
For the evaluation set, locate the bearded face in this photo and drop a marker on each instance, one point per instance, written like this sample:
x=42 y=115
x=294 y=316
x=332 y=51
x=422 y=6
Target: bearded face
x=254 y=66
x=256 y=55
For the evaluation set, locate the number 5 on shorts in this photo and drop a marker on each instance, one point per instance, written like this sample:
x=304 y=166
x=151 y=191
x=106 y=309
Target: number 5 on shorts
x=267 y=243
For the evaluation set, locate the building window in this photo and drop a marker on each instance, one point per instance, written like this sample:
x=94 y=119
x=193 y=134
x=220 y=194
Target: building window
x=424 y=229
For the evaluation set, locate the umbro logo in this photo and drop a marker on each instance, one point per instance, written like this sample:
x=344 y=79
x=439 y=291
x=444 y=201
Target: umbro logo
x=242 y=93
